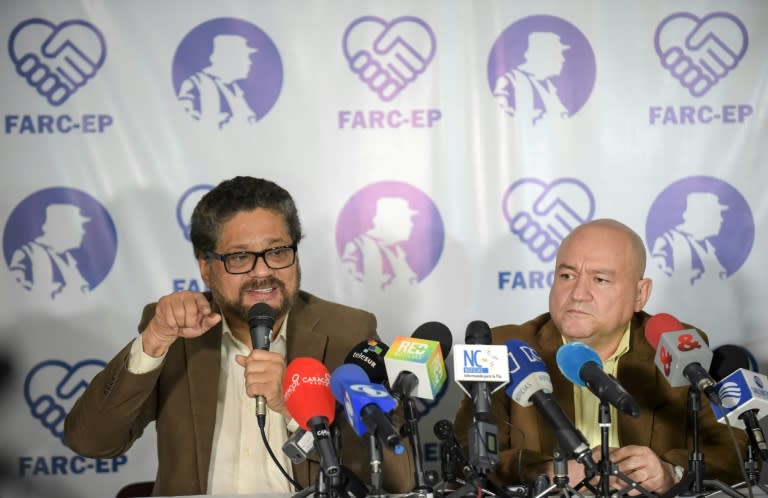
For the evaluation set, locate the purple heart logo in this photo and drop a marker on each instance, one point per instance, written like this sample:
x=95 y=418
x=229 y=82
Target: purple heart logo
x=388 y=56
x=700 y=52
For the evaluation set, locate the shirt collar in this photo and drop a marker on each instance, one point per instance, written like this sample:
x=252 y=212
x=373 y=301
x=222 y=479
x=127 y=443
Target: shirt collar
x=281 y=335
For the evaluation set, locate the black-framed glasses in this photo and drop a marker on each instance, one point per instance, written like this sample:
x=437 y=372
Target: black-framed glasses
x=240 y=262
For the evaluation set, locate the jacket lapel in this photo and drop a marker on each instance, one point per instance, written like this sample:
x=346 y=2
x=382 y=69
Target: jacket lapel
x=304 y=332
x=203 y=357
x=634 y=371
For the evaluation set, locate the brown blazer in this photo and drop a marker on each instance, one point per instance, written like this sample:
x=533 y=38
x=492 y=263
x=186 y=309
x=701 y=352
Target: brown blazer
x=663 y=425
x=181 y=398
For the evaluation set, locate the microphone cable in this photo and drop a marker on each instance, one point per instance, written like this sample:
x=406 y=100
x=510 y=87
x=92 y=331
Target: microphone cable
x=295 y=484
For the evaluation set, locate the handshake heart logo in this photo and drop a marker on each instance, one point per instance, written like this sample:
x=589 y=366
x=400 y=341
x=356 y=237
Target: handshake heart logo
x=700 y=52
x=388 y=56
x=52 y=387
x=56 y=60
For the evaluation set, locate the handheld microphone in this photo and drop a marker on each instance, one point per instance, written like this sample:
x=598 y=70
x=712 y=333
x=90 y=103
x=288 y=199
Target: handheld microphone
x=369 y=355
x=366 y=405
x=530 y=385
x=582 y=365
x=682 y=355
x=261 y=319
x=743 y=393
x=417 y=363
x=308 y=398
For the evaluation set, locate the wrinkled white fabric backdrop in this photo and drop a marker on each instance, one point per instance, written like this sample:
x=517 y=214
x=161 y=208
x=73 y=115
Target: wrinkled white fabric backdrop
x=622 y=137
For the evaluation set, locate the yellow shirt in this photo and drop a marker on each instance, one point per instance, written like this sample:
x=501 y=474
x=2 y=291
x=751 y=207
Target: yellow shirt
x=586 y=405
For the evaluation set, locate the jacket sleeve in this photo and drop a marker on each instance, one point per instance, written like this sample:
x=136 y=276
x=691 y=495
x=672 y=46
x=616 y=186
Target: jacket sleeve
x=114 y=409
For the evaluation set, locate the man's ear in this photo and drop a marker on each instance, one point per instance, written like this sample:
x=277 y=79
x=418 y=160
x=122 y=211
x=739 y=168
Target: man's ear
x=644 y=287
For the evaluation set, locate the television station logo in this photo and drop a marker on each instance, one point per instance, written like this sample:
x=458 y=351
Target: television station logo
x=57 y=61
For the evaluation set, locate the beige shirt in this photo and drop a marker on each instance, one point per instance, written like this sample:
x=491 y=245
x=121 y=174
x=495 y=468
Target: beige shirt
x=586 y=405
x=239 y=463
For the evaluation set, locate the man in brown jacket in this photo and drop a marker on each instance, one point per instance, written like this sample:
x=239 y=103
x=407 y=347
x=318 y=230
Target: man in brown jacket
x=597 y=298
x=193 y=369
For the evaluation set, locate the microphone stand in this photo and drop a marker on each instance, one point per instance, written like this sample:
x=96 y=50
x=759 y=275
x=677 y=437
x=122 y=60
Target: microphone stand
x=606 y=468
x=375 y=458
x=752 y=470
x=560 y=478
x=325 y=486
x=693 y=482
x=411 y=430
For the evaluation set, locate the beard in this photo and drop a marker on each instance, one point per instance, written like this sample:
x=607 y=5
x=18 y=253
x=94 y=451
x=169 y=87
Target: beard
x=238 y=311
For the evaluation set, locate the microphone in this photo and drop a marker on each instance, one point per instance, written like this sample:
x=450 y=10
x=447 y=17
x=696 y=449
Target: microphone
x=417 y=363
x=582 y=365
x=743 y=394
x=681 y=354
x=261 y=319
x=473 y=364
x=369 y=355
x=308 y=398
x=479 y=367
x=530 y=384
x=366 y=405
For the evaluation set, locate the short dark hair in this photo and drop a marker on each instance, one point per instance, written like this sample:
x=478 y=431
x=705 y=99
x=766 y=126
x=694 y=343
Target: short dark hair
x=241 y=193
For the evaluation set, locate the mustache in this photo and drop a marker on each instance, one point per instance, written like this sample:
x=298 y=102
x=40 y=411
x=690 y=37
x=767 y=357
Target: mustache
x=261 y=283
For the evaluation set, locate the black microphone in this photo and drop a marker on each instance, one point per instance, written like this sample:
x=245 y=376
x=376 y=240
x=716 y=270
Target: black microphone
x=369 y=355
x=530 y=385
x=479 y=333
x=261 y=319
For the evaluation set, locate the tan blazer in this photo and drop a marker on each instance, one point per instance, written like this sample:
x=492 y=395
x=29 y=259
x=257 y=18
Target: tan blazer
x=663 y=424
x=181 y=398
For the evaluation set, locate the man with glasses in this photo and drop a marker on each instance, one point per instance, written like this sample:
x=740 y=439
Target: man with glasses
x=193 y=369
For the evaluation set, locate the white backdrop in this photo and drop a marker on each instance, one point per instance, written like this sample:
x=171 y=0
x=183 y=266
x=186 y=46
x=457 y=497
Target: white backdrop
x=624 y=109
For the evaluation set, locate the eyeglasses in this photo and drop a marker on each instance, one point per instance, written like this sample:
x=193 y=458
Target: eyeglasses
x=237 y=263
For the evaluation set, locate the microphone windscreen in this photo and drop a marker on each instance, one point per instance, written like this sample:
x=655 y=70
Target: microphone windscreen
x=347 y=373
x=307 y=392
x=572 y=356
x=369 y=355
x=435 y=331
x=478 y=333
x=261 y=314
x=527 y=372
x=728 y=358
x=659 y=324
